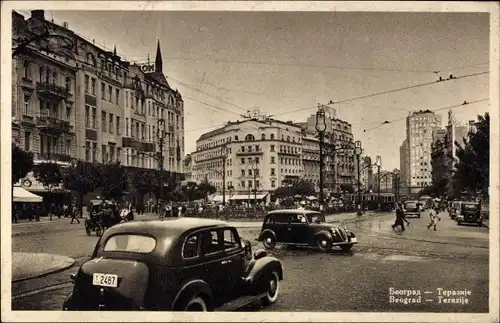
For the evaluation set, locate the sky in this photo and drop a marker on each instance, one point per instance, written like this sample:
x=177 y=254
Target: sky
x=285 y=63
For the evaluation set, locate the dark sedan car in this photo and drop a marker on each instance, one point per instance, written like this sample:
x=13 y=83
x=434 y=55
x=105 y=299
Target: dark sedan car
x=304 y=228
x=180 y=264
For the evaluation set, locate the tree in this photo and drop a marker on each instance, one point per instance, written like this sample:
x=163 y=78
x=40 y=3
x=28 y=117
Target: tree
x=113 y=180
x=472 y=168
x=205 y=188
x=144 y=181
x=82 y=177
x=49 y=175
x=300 y=187
x=22 y=163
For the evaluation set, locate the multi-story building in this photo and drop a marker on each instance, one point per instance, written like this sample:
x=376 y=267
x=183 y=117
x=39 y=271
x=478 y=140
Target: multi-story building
x=88 y=103
x=367 y=173
x=419 y=128
x=260 y=155
x=311 y=162
x=386 y=182
x=404 y=165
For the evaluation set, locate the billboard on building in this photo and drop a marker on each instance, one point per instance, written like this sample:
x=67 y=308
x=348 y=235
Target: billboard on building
x=147 y=67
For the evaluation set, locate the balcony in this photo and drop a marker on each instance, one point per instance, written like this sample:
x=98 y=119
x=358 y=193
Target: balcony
x=52 y=91
x=129 y=142
x=53 y=124
x=290 y=153
x=249 y=152
x=56 y=157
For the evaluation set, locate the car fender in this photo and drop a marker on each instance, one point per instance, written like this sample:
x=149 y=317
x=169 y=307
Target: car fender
x=67 y=302
x=261 y=268
x=326 y=233
x=195 y=287
x=350 y=233
x=266 y=231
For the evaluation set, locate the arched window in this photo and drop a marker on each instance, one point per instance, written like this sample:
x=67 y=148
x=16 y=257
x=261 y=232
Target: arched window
x=272 y=136
x=287 y=138
x=263 y=137
x=249 y=138
x=26 y=69
x=235 y=138
x=54 y=78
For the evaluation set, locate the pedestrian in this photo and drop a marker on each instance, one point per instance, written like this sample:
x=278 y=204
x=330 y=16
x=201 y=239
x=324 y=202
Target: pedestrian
x=15 y=213
x=399 y=218
x=434 y=219
x=74 y=213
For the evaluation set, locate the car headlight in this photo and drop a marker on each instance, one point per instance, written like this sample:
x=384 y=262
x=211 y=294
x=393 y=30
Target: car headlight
x=333 y=231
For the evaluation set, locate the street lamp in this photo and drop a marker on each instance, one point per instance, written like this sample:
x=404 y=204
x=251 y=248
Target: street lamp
x=321 y=128
x=396 y=182
x=358 y=151
x=378 y=163
x=224 y=157
x=254 y=167
x=161 y=133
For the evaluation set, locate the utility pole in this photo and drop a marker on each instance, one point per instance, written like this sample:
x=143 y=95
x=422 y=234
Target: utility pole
x=161 y=134
x=321 y=128
x=224 y=157
x=378 y=163
x=358 y=151
x=254 y=182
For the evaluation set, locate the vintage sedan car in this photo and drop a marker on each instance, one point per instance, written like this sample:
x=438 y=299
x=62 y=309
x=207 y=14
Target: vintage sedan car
x=454 y=209
x=412 y=208
x=470 y=213
x=301 y=227
x=179 y=264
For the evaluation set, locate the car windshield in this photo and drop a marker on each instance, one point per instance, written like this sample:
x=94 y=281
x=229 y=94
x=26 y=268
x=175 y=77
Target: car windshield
x=315 y=218
x=130 y=243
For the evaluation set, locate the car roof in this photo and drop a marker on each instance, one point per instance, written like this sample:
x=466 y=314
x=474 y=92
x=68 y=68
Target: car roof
x=411 y=201
x=166 y=227
x=293 y=211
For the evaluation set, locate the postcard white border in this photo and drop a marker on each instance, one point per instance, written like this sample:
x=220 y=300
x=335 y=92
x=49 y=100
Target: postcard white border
x=408 y=6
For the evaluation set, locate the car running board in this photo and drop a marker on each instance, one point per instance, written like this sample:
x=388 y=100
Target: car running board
x=240 y=302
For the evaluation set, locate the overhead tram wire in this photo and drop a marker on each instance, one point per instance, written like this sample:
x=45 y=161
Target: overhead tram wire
x=433 y=110
x=388 y=91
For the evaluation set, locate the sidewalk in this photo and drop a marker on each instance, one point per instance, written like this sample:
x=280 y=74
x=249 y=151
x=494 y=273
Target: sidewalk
x=31 y=265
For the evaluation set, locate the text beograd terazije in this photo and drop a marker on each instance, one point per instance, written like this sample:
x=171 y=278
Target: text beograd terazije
x=438 y=295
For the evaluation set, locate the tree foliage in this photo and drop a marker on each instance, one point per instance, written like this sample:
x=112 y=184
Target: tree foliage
x=49 y=175
x=113 y=180
x=82 y=177
x=22 y=163
x=145 y=181
x=473 y=167
x=300 y=187
x=205 y=188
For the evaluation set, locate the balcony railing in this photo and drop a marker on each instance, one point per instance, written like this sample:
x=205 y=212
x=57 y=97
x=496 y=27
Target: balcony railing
x=53 y=123
x=250 y=152
x=53 y=90
x=54 y=157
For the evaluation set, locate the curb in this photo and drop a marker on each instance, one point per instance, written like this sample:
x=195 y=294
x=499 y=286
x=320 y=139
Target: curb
x=62 y=265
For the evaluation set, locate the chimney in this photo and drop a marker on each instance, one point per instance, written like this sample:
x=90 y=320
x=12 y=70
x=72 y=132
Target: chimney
x=65 y=24
x=38 y=14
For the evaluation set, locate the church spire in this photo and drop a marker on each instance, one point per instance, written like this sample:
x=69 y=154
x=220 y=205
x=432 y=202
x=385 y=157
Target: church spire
x=158 y=60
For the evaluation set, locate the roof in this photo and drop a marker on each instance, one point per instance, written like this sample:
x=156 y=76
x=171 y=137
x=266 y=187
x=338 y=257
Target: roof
x=293 y=211
x=167 y=227
x=158 y=77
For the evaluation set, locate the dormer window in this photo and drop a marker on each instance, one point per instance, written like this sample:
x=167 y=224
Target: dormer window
x=249 y=138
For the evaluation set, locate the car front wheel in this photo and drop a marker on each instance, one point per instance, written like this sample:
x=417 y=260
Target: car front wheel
x=273 y=288
x=196 y=304
x=269 y=241
x=324 y=243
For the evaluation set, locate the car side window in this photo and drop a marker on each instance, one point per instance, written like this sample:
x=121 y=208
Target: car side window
x=190 y=248
x=230 y=240
x=269 y=219
x=281 y=218
x=210 y=242
x=298 y=218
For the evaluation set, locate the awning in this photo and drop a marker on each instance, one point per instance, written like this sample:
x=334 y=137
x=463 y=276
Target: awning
x=22 y=195
x=219 y=198
x=312 y=198
x=248 y=197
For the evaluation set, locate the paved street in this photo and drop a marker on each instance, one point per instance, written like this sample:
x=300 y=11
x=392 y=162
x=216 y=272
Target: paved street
x=453 y=258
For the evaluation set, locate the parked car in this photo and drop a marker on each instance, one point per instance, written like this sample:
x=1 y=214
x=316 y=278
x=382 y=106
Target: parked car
x=454 y=209
x=412 y=208
x=470 y=213
x=178 y=264
x=304 y=228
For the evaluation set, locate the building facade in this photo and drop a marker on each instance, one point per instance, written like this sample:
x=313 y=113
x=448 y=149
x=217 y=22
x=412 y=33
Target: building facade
x=88 y=103
x=260 y=155
x=404 y=164
x=419 y=128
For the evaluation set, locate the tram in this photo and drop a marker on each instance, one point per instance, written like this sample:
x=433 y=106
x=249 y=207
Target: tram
x=370 y=200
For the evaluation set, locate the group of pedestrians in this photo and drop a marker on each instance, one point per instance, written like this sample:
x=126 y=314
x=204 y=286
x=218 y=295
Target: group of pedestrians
x=401 y=219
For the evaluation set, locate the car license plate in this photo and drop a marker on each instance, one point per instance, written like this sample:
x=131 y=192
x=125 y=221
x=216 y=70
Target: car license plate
x=354 y=240
x=106 y=280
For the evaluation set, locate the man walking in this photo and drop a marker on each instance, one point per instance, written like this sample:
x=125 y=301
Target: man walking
x=74 y=212
x=434 y=219
x=399 y=218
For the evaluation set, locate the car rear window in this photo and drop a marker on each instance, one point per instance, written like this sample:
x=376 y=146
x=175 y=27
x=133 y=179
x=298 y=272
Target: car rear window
x=130 y=243
x=410 y=205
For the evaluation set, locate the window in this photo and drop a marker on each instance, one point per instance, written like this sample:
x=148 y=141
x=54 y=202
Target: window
x=103 y=90
x=87 y=151
x=211 y=242
x=110 y=92
x=230 y=240
x=191 y=247
x=273 y=172
x=26 y=70
x=263 y=137
x=117 y=125
x=94 y=151
x=143 y=132
x=68 y=146
x=273 y=161
x=27 y=110
x=272 y=147
x=273 y=183
x=27 y=141
x=41 y=75
x=257 y=182
x=54 y=78
x=126 y=127
x=93 y=86
x=130 y=243
x=103 y=121
x=67 y=83
x=249 y=172
x=118 y=154
x=132 y=134
x=87 y=116
x=243 y=172
x=104 y=153
x=242 y=183
x=249 y=138
x=111 y=123
x=126 y=99
x=242 y=160
x=235 y=138
x=87 y=80
x=94 y=117
x=249 y=184
x=272 y=136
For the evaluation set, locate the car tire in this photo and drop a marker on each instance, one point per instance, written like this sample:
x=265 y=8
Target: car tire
x=346 y=247
x=195 y=304
x=268 y=240
x=273 y=288
x=324 y=243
